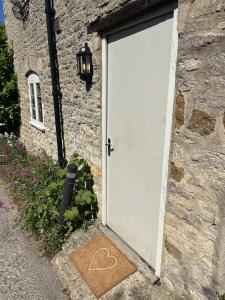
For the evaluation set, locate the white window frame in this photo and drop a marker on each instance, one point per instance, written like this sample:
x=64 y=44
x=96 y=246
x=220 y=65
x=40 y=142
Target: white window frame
x=34 y=79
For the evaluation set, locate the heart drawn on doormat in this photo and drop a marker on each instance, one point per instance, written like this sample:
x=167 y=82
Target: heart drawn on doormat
x=102 y=255
x=101 y=265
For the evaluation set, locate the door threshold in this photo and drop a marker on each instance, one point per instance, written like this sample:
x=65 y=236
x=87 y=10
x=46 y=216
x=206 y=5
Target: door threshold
x=142 y=266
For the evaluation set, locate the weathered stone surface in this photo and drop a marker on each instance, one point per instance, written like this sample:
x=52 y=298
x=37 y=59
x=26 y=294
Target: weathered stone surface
x=179 y=111
x=224 y=120
x=96 y=171
x=194 y=222
x=25 y=273
x=135 y=286
x=191 y=64
x=173 y=250
x=201 y=122
x=176 y=173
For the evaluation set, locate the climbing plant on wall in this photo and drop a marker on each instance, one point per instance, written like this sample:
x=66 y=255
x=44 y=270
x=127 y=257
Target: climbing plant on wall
x=9 y=100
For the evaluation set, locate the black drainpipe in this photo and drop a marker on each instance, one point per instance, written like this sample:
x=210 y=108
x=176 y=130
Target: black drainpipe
x=50 y=14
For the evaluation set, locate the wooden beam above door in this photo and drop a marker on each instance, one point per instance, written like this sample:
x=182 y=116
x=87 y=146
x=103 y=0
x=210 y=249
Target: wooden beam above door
x=129 y=10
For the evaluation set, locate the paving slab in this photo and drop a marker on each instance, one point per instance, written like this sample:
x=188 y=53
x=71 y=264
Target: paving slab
x=24 y=273
x=135 y=287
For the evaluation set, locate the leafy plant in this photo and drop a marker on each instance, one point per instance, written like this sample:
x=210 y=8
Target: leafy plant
x=9 y=103
x=38 y=189
x=71 y=214
x=221 y=297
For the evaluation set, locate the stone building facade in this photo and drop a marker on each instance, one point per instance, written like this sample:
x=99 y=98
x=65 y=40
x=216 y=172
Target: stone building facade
x=194 y=239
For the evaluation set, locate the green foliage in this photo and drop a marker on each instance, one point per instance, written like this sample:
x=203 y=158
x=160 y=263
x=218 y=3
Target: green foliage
x=9 y=103
x=221 y=297
x=71 y=214
x=3 y=141
x=37 y=184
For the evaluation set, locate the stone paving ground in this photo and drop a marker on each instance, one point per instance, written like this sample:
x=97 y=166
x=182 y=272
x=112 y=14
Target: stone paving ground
x=135 y=287
x=24 y=273
x=27 y=275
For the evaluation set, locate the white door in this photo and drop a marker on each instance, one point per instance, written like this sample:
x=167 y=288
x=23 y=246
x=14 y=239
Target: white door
x=138 y=83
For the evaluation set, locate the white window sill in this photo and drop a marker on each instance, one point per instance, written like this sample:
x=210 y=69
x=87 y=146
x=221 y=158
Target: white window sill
x=38 y=126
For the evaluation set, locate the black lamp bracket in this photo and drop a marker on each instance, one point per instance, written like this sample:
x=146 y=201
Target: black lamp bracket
x=20 y=9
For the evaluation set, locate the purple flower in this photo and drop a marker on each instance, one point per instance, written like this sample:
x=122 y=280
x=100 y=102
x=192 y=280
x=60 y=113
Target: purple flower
x=25 y=172
x=6 y=149
x=35 y=181
x=3 y=157
x=29 y=206
x=15 y=200
x=19 y=146
x=14 y=184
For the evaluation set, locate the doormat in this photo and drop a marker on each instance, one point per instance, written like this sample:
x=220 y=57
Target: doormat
x=101 y=265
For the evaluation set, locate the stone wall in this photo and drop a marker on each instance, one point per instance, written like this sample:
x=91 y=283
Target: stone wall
x=194 y=249
x=194 y=228
x=31 y=54
x=81 y=108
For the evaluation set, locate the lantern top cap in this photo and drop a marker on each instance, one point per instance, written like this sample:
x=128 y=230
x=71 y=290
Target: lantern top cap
x=85 y=50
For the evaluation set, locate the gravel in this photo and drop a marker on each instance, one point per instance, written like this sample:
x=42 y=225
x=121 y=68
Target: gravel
x=24 y=272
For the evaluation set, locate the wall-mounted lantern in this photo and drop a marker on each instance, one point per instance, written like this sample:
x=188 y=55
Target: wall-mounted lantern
x=20 y=9
x=84 y=64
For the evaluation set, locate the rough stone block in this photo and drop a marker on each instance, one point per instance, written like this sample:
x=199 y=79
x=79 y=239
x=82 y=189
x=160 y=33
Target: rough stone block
x=201 y=122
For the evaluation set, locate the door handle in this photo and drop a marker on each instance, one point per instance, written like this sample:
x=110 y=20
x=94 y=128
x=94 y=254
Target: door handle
x=109 y=147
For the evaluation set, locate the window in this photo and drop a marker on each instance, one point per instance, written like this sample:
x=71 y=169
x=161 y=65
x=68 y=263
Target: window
x=36 y=107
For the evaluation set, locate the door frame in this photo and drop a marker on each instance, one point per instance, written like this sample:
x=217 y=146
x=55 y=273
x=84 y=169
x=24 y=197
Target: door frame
x=167 y=140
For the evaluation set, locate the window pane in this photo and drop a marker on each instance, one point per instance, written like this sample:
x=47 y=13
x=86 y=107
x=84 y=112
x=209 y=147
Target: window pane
x=33 y=113
x=33 y=110
x=39 y=102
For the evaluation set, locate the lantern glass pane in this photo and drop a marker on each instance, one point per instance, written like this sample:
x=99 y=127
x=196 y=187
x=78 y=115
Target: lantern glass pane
x=88 y=64
x=83 y=64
